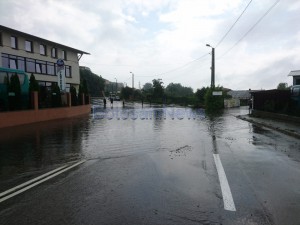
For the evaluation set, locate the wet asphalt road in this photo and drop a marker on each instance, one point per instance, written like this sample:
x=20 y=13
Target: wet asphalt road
x=150 y=171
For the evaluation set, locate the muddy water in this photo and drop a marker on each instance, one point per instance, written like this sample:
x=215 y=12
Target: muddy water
x=110 y=132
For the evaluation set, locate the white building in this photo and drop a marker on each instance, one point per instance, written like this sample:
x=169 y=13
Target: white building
x=296 y=76
x=36 y=55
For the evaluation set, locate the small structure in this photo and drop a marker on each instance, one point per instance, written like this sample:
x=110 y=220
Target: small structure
x=236 y=98
x=296 y=76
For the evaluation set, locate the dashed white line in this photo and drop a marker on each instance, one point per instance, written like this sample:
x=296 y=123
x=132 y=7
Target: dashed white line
x=226 y=192
x=39 y=180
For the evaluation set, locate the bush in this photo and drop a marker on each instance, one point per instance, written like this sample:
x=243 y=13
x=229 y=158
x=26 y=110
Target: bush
x=213 y=104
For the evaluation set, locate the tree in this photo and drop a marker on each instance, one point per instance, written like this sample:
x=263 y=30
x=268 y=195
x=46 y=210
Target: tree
x=84 y=87
x=283 y=86
x=33 y=84
x=74 y=99
x=177 y=90
x=95 y=84
x=200 y=94
x=158 y=89
x=14 y=90
x=148 y=88
x=126 y=92
x=55 y=95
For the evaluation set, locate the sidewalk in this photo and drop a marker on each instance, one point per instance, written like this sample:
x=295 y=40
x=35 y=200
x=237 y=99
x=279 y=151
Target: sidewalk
x=289 y=128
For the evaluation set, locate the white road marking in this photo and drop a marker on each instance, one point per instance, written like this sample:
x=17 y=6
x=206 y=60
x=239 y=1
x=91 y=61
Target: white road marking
x=60 y=170
x=227 y=196
x=31 y=181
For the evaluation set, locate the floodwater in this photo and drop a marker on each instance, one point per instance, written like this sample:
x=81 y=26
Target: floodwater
x=151 y=165
x=111 y=132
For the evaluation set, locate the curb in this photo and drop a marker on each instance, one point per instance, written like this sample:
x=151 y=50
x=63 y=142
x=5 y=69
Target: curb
x=284 y=131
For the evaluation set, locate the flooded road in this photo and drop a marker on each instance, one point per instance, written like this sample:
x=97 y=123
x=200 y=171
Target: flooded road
x=151 y=165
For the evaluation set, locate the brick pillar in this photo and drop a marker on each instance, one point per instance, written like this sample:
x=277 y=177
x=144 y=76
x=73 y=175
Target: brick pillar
x=69 y=99
x=35 y=100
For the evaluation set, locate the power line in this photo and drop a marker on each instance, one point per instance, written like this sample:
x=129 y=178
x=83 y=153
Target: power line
x=178 y=68
x=260 y=19
x=233 y=25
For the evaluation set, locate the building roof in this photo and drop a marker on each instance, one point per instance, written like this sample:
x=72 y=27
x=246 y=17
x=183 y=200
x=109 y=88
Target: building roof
x=294 y=73
x=3 y=28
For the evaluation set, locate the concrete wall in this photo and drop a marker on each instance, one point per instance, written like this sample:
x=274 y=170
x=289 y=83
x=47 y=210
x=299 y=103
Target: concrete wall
x=9 y=119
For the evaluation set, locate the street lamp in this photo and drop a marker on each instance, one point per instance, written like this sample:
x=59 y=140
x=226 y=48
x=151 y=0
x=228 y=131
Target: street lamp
x=132 y=80
x=212 y=85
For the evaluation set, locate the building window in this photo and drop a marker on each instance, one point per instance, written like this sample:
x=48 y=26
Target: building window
x=28 y=46
x=13 y=63
x=41 y=67
x=43 y=49
x=30 y=65
x=13 y=42
x=21 y=63
x=54 y=52
x=50 y=68
x=64 y=55
x=5 y=60
x=45 y=85
x=68 y=71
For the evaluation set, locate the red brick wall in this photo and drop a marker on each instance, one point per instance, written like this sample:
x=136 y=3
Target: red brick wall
x=9 y=119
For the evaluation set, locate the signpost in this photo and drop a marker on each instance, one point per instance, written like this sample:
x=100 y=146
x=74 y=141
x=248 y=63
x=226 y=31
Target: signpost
x=217 y=93
x=61 y=74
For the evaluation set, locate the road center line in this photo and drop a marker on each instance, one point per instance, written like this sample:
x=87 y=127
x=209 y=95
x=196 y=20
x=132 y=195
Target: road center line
x=60 y=170
x=31 y=181
x=227 y=196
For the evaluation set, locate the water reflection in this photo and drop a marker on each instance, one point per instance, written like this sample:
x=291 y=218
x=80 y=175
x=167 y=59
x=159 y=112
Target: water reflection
x=36 y=146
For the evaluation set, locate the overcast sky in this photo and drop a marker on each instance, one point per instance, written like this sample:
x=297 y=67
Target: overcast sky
x=166 y=38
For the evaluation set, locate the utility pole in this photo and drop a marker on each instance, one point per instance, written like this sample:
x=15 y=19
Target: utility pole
x=132 y=80
x=132 y=85
x=212 y=84
x=213 y=68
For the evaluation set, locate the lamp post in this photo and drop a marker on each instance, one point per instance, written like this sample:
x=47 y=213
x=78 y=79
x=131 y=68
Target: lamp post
x=212 y=85
x=132 y=80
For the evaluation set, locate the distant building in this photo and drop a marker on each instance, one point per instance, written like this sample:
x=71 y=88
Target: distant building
x=240 y=94
x=36 y=55
x=296 y=76
x=239 y=97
